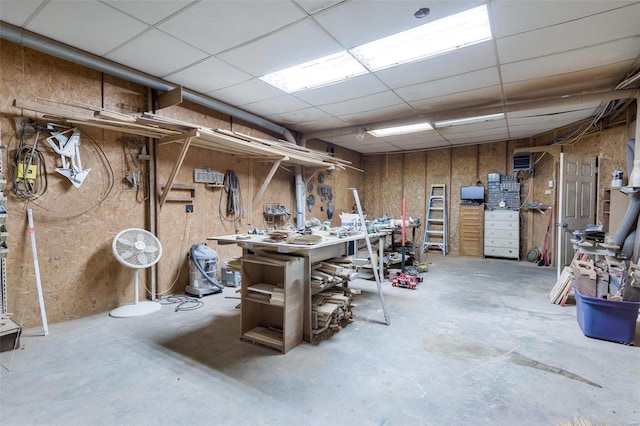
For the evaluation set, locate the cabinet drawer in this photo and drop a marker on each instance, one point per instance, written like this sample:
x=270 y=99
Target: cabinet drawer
x=509 y=215
x=501 y=242
x=509 y=234
x=501 y=252
x=495 y=224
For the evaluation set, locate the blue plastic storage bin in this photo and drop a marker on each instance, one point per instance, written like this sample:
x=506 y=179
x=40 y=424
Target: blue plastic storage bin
x=606 y=319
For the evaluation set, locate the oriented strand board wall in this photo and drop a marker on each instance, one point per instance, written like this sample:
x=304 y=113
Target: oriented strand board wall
x=339 y=180
x=75 y=226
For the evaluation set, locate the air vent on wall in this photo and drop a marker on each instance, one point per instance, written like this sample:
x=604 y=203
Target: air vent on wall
x=522 y=162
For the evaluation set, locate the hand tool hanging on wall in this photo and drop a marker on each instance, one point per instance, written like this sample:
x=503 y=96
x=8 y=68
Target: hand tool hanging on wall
x=69 y=149
x=544 y=258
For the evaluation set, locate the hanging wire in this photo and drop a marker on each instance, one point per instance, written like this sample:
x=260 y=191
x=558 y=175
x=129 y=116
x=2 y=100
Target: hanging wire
x=28 y=160
x=234 y=208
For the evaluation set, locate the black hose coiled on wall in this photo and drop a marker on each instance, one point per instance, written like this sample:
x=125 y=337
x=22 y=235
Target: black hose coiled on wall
x=234 y=207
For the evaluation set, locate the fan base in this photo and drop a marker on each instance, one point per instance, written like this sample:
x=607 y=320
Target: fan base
x=135 y=310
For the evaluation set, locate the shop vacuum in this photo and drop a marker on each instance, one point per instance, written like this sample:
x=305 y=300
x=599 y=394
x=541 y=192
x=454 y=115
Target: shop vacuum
x=203 y=271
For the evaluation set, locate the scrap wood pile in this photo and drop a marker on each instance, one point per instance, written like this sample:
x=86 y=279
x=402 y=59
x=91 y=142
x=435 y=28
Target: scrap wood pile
x=331 y=303
x=604 y=279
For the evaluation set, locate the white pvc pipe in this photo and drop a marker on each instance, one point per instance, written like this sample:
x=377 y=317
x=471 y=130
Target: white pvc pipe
x=43 y=312
x=634 y=178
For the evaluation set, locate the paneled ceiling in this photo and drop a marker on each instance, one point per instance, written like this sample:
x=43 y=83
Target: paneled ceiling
x=539 y=50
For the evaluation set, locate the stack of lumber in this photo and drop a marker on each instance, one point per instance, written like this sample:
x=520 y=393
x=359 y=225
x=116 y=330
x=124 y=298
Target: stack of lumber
x=560 y=291
x=234 y=265
x=268 y=293
x=331 y=303
x=278 y=236
x=331 y=310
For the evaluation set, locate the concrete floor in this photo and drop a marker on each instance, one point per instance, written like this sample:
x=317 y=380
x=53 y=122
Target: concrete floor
x=478 y=343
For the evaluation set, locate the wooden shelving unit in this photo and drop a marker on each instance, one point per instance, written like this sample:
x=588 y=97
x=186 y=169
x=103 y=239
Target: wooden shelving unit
x=471 y=230
x=272 y=293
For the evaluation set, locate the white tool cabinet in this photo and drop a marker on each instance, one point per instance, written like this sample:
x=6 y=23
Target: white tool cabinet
x=502 y=233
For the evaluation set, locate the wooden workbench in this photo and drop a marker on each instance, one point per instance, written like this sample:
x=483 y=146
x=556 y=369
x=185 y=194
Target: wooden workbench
x=330 y=247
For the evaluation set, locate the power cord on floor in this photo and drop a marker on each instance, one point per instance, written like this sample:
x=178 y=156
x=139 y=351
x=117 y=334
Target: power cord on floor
x=182 y=302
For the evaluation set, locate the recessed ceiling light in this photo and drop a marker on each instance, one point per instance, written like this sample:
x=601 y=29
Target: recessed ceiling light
x=422 y=12
x=316 y=73
x=433 y=38
x=469 y=120
x=400 y=130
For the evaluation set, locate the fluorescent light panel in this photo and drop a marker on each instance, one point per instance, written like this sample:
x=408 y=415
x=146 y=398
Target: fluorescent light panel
x=434 y=38
x=437 y=37
x=469 y=120
x=315 y=73
x=400 y=130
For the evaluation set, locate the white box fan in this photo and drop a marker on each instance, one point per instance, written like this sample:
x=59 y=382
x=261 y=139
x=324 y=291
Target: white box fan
x=136 y=248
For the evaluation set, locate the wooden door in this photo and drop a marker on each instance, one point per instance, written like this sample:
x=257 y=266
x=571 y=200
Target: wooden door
x=576 y=202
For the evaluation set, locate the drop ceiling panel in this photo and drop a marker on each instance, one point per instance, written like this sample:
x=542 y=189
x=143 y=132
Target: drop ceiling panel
x=546 y=113
x=376 y=115
x=246 y=93
x=363 y=104
x=447 y=105
x=487 y=126
x=209 y=75
x=483 y=136
x=318 y=125
x=509 y=17
x=84 y=24
x=276 y=105
x=142 y=9
x=593 y=30
x=415 y=145
x=156 y=53
x=377 y=148
x=352 y=88
x=574 y=61
x=426 y=136
x=281 y=49
x=16 y=12
x=314 y=6
x=598 y=79
x=461 y=61
x=215 y=26
x=447 y=86
x=308 y=115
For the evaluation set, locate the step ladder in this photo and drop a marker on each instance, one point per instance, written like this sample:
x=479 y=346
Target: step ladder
x=435 y=234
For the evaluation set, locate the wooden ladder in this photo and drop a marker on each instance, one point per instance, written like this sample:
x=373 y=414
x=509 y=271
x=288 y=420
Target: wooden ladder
x=435 y=234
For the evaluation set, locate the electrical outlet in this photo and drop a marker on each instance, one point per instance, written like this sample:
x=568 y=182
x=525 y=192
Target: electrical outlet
x=189 y=208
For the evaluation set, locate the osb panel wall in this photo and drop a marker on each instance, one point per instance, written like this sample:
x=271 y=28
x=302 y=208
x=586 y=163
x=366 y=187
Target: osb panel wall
x=75 y=226
x=464 y=172
x=339 y=180
x=393 y=169
x=372 y=199
x=414 y=186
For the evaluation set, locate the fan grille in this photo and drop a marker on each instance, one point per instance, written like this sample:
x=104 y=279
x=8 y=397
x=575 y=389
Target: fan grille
x=137 y=248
